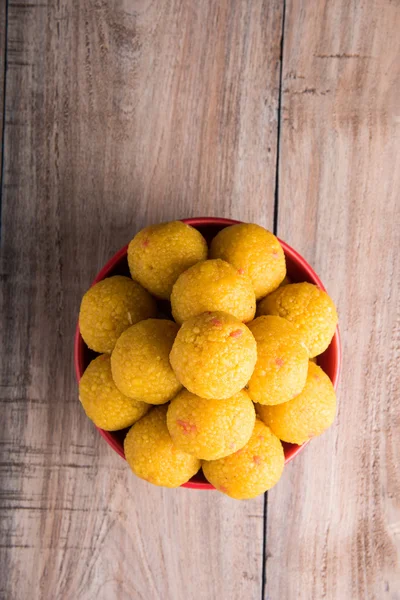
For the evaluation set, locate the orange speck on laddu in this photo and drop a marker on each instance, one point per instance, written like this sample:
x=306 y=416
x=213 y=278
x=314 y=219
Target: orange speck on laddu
x=279 y=361
x=256 y=460
x=236 y=333
x=145 y=243
x=187 y=427
x=241 y=271
x=216 y=322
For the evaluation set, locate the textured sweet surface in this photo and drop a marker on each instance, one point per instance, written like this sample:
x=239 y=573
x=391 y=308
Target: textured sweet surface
x=255 y=252
x=210 y=429
x=213 y=285
x=307 y=415
x=282 y=361
x=252 y=470
x=110 y=307
x=140 y=364
x=310 y=310
x=214 y=355
x=158 y=254
x=153 y=456
x=103 y=402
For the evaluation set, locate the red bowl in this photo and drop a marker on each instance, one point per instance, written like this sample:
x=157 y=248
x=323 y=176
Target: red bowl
x=298 y=270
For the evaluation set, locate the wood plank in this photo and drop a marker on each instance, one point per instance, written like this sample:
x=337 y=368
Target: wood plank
x=334 y=519
x=119 y=114
x=3 y=35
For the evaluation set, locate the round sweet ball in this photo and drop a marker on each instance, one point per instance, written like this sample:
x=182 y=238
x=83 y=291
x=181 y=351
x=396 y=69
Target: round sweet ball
x=309 y=309
x=213 y=285
x=307 y=415
x=110 y=307
x=210 y=429
x=255 y=252
x=252 y=470
x=282 y=361
x=140 y=364
x=158 y=254
x=152 y=455
x=103 y=402
x=213 y=355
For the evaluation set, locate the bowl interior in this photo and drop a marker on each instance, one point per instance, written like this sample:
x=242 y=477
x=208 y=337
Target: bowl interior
x=298 y=270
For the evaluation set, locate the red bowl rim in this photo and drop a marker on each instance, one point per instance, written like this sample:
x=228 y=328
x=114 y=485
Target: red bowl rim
x=196 y=222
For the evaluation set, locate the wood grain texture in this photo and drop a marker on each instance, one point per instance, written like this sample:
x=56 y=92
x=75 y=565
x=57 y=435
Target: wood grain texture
x=119 y=113
x=334 y=519
x=3 y=35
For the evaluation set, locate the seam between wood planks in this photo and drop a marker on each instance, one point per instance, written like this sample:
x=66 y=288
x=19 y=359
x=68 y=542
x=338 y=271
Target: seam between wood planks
x=275 y=231
x=3 y=116
x=264 y=566
x=278 y=136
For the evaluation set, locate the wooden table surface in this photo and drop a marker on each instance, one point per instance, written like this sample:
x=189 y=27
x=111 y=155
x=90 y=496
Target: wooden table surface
x=121 y=113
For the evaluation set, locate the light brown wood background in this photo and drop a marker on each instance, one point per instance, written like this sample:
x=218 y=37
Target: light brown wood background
x=119 y=113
